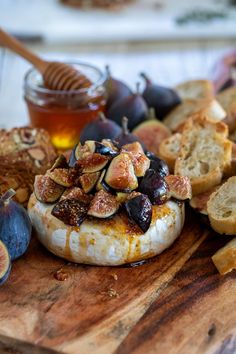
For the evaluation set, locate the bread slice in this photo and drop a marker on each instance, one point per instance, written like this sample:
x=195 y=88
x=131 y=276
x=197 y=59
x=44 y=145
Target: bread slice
x=199 y=201
x=221 y=208
x=190 y=107
x=225 y=258
x=169 y=150
x=232 y=136
x=205 y=153
x=195 y=89
x=227 y=99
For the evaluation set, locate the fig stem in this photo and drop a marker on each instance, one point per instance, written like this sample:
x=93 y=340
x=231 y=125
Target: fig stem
x=138 y=87
x=146 y=78
x=125 y=125
x=108 y=71
x=102 y=117
x=6 y=197
x=152 y=114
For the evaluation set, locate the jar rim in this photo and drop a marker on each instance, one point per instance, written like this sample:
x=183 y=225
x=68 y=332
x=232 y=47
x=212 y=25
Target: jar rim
x=44 y=90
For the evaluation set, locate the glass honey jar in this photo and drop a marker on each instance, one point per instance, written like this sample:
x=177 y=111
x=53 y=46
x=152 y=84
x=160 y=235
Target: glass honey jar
x=64 y=113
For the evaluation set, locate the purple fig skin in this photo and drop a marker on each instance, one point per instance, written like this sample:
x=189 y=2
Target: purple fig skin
x=15 y=227
x=155 y=187
x=5 y=264
x=139 y=209
x=101 y=128
x=162 y=99
x=126 y=137
x=116 y=89
x=133 y=107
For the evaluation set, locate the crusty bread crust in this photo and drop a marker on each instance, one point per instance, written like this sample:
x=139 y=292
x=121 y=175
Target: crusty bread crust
x=178 y=116
x=205 y=153
x=225 y=258
x=195 y=89
x=221 y=208
x=169 y=150
x=227 y=99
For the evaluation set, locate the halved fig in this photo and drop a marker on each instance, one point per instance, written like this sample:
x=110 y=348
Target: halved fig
x=71 y=211
x=120 y=174
x=62 y=176
x=78 y=194
x=60 y=162
x=155 y=187
x=139 y=209
x=179 y=187
x=140 y=161
x=89 y=180
x=92 y=162
x=99 y=185
x=46 y=190
x=103 y=205
x=157 y=164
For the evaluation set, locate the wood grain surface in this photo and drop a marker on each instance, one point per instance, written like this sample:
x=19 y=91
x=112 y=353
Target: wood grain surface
x=176 y=303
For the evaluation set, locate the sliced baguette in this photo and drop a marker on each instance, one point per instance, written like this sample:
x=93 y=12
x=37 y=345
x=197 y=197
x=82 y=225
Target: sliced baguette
x=195 y=89
x=221 y=208
x=169 y=150
x=205 y=153
x=227 y=99
x=225 y=258
x=190 y=107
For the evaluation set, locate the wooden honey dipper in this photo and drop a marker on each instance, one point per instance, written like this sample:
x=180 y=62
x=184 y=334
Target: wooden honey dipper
x=56 y=75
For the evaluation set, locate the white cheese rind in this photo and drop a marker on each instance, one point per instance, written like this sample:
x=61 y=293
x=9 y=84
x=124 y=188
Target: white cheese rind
x=93 y=244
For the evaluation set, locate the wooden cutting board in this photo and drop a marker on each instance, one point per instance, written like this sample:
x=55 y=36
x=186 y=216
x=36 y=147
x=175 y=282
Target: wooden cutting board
x=176 y=303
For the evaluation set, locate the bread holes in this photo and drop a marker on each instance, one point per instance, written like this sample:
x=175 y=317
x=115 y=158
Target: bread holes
x=227 y=214
x=204 y=167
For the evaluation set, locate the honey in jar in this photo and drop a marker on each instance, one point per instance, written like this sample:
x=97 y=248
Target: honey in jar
x=64 y=113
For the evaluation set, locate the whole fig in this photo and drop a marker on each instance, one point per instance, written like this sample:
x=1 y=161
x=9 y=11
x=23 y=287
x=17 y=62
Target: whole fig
x=15 y=225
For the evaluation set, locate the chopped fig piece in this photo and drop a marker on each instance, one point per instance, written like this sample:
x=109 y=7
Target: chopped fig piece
x=139 y=210
x=105 y=150
x=60 y=162
x=71 y=211
x=46 y=190
x=122 y=197
x=99 y=185
x=179 y=187
x=157 y=164
x=61 y=176
x=140 y=161
x=120 y=174
x=78 y=152
x=78 y=194
x=103 y=205
x=155 y=187
x=89 y=180
x=93 y=162
x=135 y=147
x=110 y=144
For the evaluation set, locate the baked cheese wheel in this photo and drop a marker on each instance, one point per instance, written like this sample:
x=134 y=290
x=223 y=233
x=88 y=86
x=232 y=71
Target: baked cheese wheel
x=107 y=242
